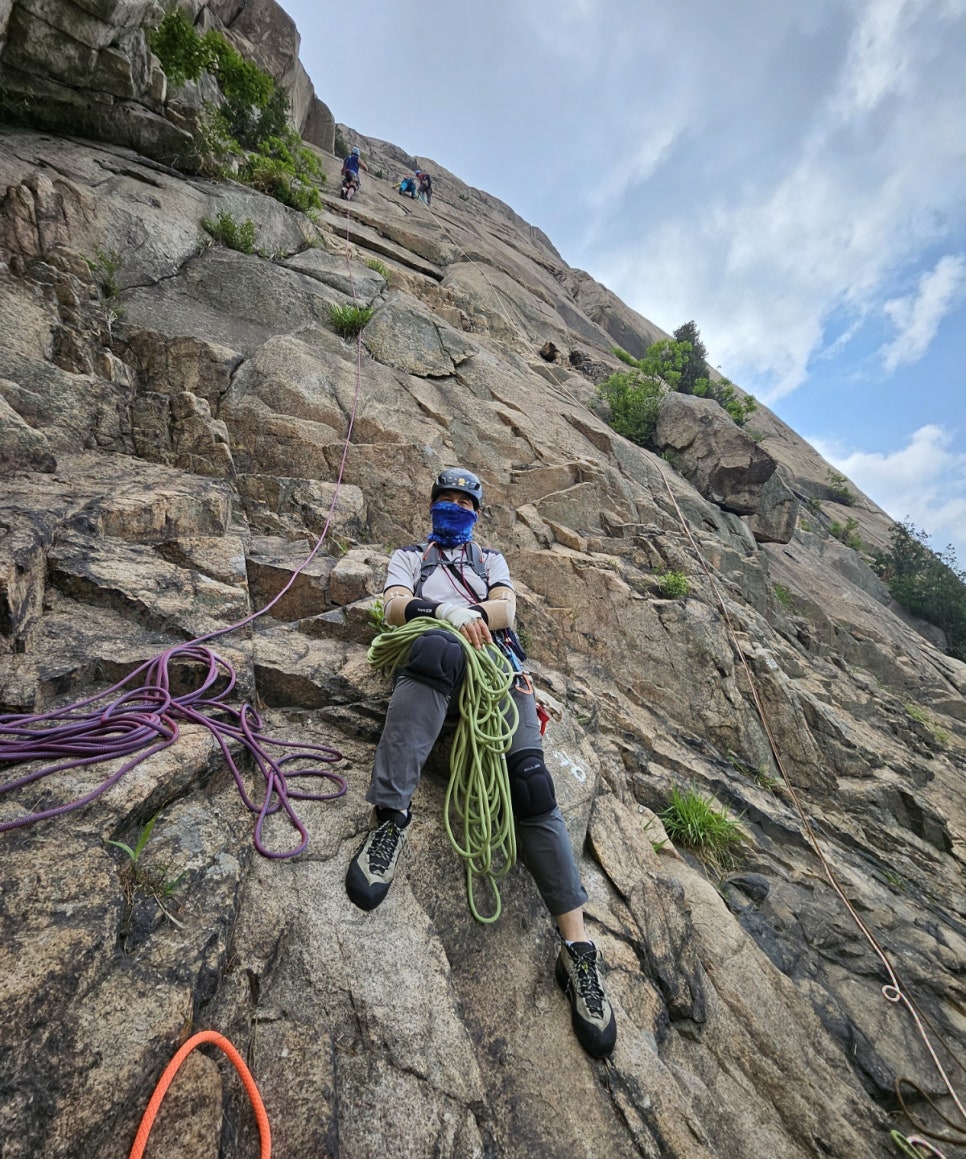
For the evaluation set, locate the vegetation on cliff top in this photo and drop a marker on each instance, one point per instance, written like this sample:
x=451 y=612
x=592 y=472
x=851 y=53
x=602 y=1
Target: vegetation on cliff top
x=247 y=134
x=929 y=584
x=676 y=364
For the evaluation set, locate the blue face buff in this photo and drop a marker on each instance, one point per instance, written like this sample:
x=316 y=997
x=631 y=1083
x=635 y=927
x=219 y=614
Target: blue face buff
x=452 y=524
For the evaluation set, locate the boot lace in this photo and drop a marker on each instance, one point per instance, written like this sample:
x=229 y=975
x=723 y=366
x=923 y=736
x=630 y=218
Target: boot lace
x=383 y=846
x=586 y=979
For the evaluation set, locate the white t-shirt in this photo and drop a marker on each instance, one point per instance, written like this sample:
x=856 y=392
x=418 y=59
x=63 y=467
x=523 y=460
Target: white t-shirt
x=448 y=582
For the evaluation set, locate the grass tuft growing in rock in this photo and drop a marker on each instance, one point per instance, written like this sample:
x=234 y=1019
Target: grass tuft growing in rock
x=348 y=320
x=380 y=268
x=141 y=881
x=227 y=232
x=699 y=824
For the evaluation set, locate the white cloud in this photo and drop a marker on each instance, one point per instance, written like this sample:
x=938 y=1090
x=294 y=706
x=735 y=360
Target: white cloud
x=918 y=316
x=924 y=481
x=822 y=224
x=876 y=64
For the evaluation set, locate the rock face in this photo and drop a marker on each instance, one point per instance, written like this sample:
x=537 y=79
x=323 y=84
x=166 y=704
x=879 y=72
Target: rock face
x=86 y=68
x=174 y=440
x=726 y=465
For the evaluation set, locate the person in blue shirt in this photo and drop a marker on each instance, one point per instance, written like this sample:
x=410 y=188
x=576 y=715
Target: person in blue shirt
x=407 y=185
x=350 y=172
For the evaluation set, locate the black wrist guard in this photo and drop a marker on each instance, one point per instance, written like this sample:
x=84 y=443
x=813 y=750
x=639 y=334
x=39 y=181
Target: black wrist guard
x=418 y=608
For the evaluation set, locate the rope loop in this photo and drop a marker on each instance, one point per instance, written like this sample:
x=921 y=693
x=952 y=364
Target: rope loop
x=148 y=715
x=251 y=1088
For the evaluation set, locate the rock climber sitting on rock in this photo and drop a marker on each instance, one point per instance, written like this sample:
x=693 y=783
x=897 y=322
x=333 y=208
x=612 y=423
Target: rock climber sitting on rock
x=471 y=589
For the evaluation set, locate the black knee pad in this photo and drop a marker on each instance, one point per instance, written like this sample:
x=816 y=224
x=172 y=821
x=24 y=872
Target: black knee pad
x=436 y=658
x=531 y=786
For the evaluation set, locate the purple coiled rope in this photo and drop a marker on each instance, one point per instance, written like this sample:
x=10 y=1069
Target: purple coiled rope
x=149 y=716
x=145 y=720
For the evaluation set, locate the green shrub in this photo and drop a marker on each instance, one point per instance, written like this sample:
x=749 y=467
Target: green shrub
x=699 y=824
x=340 y=145
x=284 y=169
x=846 y=532
x=674 y=585
x=255 y=107
x=348 y=320
x=725 y=395
x=634 y=400
x=783 y=595
x=922 y=717
x=928 y=584
x=679 y=365
x=839 y=492
x=227 y=232
x=694 y=369
x=813 y=506
x=105 y=268
x=181 y=51
x=250 y=125
x=377 y=616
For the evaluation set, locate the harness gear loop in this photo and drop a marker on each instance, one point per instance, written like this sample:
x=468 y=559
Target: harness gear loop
x=478 y=792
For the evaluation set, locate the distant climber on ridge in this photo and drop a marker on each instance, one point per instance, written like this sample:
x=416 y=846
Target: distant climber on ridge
x=350 y=173
x=407 y=186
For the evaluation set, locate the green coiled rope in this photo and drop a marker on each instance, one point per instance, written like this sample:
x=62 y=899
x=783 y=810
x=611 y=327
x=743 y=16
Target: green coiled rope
x=478 y=794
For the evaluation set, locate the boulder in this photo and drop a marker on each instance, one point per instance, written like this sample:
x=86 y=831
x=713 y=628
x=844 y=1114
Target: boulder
x=725 y=464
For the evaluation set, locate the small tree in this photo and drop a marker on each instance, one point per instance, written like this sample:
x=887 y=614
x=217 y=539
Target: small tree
x=694 y=366
x=667 y=365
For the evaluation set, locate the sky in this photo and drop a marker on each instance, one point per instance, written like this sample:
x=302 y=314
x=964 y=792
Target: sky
x=792 y=177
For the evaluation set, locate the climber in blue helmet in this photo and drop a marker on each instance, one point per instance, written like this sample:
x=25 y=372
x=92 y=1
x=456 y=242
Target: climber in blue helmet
x=450 y=577
x=350 y=171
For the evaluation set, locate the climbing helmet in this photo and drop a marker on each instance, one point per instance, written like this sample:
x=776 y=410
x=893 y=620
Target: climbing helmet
x=459 y=479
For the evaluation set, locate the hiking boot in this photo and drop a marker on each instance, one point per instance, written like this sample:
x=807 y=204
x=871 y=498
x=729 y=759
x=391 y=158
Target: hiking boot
x=578 y=975
x=372 y=869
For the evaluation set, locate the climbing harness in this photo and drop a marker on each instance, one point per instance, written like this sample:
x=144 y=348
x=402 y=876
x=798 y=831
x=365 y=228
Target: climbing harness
x=892 y=991
x=478 y=794
x=433 y=558
x=219 y=1040
x=504 y=638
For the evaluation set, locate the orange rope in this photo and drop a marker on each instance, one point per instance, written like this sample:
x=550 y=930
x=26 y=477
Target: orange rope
x=219 y=1040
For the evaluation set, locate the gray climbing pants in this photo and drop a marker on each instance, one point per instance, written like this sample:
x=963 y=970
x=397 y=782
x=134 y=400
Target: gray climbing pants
x=417 y=712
